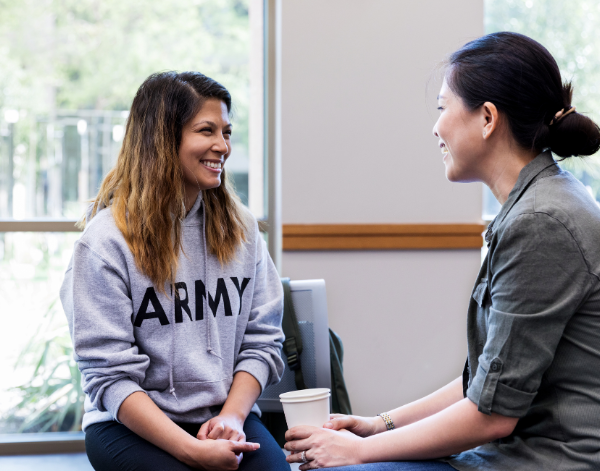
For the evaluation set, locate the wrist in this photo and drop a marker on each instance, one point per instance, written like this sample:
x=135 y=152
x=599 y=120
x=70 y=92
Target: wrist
x=362 y=451
x=185 y=450
x=233 y=415
x=379 y=424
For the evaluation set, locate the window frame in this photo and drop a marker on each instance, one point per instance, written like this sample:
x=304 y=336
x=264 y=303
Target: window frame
x=270 y=128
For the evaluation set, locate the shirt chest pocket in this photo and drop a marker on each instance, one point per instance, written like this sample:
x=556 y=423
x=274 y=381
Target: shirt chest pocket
x=481 y=293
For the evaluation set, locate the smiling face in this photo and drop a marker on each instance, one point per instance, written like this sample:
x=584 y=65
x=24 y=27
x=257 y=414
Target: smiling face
x=205 y=146
x=461 y=140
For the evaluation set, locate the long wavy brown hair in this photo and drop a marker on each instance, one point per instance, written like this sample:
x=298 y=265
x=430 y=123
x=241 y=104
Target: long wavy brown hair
x=145 y=190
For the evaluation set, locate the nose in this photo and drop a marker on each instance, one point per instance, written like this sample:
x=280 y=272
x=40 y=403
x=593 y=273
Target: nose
x=434 y=130
x=220 y=145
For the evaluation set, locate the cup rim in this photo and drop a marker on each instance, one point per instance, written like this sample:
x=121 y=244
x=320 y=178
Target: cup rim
x=305 y=395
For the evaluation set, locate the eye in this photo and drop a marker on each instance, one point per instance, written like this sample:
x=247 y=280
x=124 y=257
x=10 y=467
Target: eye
x=207 y=129
x=228 y=132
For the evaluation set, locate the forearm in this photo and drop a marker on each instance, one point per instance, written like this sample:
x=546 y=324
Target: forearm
x=427 y=406
x=455 y=428
x=244 y=392
x=141 y=415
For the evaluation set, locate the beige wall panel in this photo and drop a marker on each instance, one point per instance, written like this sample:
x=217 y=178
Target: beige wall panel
x=357 y=148
x=357 y=145
x=401 y=316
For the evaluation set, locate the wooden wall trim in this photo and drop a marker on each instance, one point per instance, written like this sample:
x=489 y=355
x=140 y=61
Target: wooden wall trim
x=38 y=225
x=382 y=236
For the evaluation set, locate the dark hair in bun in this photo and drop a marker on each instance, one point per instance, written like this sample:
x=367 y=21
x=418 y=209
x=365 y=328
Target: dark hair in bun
x=520 y=77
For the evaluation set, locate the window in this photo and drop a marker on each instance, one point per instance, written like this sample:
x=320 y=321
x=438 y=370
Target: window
x=64 y=96
x=571 y=32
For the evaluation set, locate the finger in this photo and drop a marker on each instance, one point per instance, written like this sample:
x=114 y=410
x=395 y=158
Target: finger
x=242 y=437
x=217 y=431
x=339 y=423
x=239 y=458
x=297 y=446
x=299 y=432
x=337 y=416
x=307 y=466
x=203 y=432
x=295 y=458
x=231 y=434
x=331 y=418
x=238 y=447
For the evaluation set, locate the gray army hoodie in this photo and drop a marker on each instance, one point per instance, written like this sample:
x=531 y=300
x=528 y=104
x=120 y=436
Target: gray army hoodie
x=182 y=351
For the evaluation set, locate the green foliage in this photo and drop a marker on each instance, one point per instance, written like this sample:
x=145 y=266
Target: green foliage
x=52 y=399
x=83 y=54
x=571 y=32
x=89 y=54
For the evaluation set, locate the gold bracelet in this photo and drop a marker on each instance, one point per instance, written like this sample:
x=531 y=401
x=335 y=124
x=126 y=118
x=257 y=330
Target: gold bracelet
x=389 y=423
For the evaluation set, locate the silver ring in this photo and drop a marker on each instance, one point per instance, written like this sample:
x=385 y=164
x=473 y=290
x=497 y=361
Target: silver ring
x=303 y=457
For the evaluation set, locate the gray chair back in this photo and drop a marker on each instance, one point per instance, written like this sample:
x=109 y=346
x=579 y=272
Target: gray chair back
x=310 y=303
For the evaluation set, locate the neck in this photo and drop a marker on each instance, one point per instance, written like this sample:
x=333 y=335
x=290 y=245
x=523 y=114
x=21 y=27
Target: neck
x=191 y=194
x=507 y=162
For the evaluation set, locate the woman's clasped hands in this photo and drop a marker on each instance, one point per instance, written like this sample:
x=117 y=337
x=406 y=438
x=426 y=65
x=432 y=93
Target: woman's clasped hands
x=220 y=445
x=338 y=443
x=227 y=427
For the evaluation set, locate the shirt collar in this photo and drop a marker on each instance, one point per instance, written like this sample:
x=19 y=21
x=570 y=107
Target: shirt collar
x=526 y=177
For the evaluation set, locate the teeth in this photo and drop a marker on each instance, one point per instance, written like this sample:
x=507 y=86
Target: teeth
x=211 y=164
x=444 y=150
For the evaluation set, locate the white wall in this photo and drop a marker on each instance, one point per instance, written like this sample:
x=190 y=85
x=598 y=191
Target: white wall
x=357 y=148
x=356 y=128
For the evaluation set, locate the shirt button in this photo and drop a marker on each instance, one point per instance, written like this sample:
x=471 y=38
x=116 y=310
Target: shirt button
x=495 y=367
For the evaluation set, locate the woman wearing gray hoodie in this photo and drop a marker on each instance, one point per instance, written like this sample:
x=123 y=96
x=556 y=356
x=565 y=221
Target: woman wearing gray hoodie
x=173 y=303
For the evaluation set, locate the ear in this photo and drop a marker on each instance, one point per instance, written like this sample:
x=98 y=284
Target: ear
x=490 y=118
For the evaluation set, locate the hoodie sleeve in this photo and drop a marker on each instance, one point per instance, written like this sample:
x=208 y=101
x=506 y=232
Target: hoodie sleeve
x=260 y=352
x=99 y=310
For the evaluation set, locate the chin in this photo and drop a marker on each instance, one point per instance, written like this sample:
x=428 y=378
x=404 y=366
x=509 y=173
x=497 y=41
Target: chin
x=455 y=175
x=450 y=174
x=452 y=178
x=209 y=185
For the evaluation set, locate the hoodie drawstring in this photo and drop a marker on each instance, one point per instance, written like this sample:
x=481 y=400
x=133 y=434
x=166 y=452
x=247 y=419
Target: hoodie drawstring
x=209 y=348
x=172 y=353
x=205 y=299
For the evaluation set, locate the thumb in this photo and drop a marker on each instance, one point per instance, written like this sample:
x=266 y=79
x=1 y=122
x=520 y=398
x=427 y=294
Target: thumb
x=216 y=431
x=238 y=447
x=338 y=423
x=203 y=432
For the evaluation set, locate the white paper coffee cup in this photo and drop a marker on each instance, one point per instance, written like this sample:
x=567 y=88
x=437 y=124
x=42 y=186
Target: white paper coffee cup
x=306 y=407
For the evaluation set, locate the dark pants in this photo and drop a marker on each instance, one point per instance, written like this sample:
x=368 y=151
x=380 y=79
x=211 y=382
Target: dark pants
x=399 y=466
x=111 y=446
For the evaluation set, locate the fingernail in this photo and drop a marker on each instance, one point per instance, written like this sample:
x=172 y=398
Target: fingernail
x=327 y=425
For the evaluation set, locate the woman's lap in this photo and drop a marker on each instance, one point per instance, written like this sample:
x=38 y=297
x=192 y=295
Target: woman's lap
x=269 y=456
x=399 y=466
x=111 y=446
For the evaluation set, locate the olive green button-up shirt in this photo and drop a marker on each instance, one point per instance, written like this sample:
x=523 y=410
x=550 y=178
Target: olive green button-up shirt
x=533 y=327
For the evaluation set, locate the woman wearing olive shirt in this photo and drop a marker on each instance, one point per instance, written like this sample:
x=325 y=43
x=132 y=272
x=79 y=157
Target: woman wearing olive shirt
x=529 y=396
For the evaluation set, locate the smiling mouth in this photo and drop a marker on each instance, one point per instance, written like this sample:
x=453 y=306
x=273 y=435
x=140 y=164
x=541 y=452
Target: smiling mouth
x=213 y=165
x=444 y=148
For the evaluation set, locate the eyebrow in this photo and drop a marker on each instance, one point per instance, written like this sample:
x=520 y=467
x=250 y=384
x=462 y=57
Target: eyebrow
x=211 y=123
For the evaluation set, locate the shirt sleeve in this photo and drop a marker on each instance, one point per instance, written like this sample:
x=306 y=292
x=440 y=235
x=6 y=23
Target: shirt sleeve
x=538 y=279
x=260 y=351
x=99 y=310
